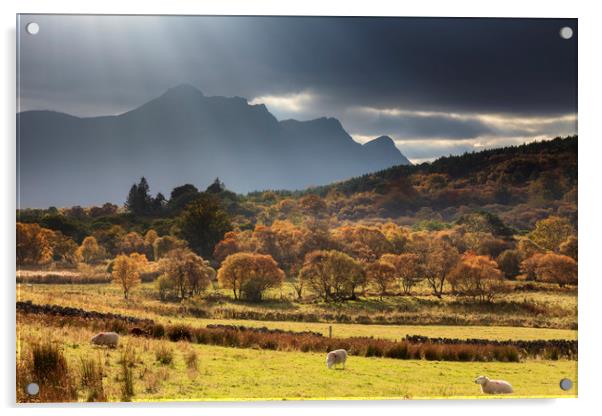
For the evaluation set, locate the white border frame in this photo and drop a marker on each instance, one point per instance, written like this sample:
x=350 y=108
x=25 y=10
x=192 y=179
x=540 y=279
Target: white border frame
x=590 y=151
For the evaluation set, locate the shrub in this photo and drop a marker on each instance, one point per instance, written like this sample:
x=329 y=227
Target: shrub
x=179 y=333
x=164 y=354
x=157 y=331
x=191 y=359
x=398 y=350
x=465 y=353
x=47 y=360
x=127 y=362
x=91 y=378
x=432 y=352
x=117 y=325
x=46 y=365
x=374 y=351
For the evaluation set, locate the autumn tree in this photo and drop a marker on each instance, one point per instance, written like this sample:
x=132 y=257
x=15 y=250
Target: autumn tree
x=283 y=240
x=229 y=245
x=332 y=275
x=265 y=275
x=441 y=257
x=33 y=245
x=90 y=251
x=163 y=245
x=235 y=242
x=364 y=243
x=132 y=242
x=106 y=209
x=203 y=224
x=527 y=248
x=407 y=269
x=312 y=205
x=110 y=238
x=126 y=271
x=529 y=266
x=316 y=235
x=64 y=249
x=287 y=206
x=556 y=268
x=551 y=232
x=509 y=263
x=249 y=275
x=478 y=277
x=188 y=273
x=569 y=247
x=382 y=274
x=396 y=236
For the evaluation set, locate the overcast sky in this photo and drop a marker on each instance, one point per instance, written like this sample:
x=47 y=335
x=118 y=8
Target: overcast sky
x=436 y=86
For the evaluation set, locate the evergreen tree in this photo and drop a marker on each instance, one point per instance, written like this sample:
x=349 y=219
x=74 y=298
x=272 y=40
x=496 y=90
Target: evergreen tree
x=216 y=187
x=139 y=201
x=159 y=203
x=203 y=224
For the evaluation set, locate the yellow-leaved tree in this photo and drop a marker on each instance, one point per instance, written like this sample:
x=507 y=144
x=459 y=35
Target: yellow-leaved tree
x=126 y=271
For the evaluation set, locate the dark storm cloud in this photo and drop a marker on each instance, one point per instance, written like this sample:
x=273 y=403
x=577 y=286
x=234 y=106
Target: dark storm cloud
x=302 y=67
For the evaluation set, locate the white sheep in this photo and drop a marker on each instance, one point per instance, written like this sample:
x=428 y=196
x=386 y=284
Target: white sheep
x=336 y=357
x=110 y=339
x=493 y=386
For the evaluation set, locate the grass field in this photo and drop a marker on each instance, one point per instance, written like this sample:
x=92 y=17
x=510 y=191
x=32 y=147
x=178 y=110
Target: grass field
x=553 y=309
x=252 y=374
x=235 y=374
x=397 y=332
x=93 y=297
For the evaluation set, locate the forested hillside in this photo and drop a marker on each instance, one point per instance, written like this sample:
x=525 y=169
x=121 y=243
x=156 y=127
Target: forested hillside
x=520 y=184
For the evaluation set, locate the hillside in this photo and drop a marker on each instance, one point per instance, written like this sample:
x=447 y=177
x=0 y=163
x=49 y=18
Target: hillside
x=522 y=184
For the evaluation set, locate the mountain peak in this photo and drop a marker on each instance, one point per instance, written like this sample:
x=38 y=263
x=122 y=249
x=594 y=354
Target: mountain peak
x=384 y=147
x=183 y=90
x=381 y=141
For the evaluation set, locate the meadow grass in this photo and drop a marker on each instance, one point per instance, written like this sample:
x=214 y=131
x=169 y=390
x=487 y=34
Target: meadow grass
x=143 y=304
x=246 y=374
x=398 y=332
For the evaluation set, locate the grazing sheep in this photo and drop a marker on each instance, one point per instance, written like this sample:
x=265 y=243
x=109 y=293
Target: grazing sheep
x=110 y=339
x=336 y=357
x=493 y=386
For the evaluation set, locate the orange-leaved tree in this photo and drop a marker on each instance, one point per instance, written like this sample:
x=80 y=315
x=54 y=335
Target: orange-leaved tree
x=478 y=277
x=249 y=275
x=382 y=274
x=556 y=268
x=90 y=251
x=33 y=244
x=407 y=269
x=332 y=275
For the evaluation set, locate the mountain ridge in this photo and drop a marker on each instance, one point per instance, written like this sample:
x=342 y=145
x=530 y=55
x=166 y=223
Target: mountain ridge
x=202 y=136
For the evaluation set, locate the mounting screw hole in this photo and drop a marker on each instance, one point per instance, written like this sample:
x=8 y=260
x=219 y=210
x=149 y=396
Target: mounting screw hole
x=33 y=389
x=566 y=33
x=566 y=384
x=32 y=28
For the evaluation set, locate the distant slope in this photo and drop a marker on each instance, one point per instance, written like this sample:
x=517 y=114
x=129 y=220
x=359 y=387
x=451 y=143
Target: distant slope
x=520 y=184
x=511 y=165
x=180 y=137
